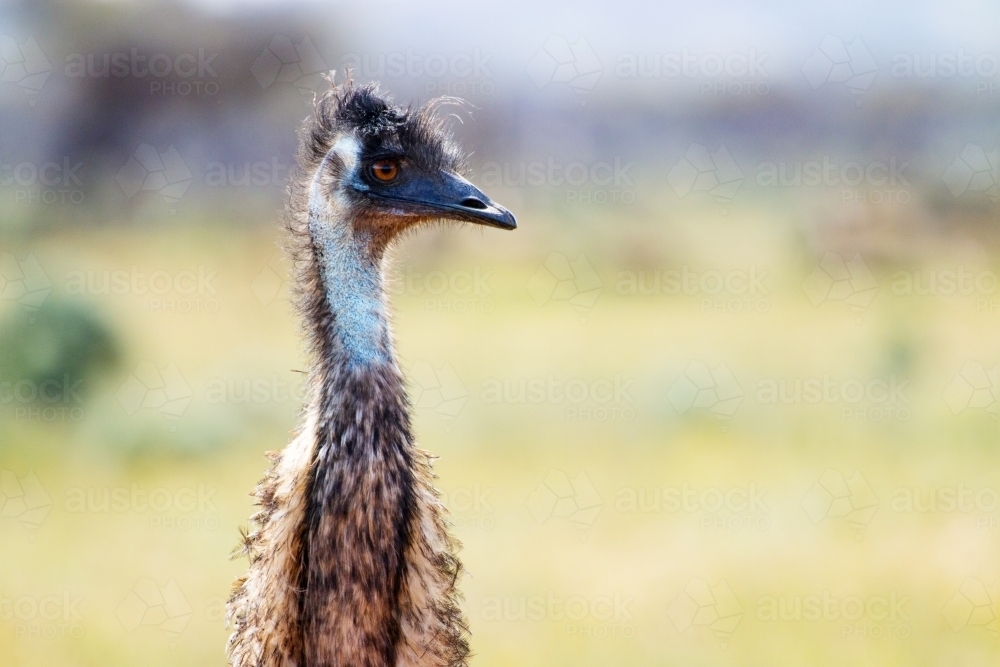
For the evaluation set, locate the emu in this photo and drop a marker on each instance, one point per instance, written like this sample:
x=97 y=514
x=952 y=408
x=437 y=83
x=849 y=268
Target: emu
x=351 y=563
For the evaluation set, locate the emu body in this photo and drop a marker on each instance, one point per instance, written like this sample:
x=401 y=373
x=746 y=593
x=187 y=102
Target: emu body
x=351 y=564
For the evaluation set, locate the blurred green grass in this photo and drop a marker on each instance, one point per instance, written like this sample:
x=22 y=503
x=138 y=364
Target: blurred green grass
x=562 y=569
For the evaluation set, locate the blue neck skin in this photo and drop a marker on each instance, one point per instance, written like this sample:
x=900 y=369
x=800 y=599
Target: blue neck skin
x=353 y=282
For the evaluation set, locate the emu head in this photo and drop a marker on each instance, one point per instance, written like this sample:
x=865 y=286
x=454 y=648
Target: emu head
x=383 y=169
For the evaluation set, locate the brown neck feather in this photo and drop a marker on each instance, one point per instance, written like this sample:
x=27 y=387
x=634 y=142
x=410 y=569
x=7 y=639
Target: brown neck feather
x=360 y=507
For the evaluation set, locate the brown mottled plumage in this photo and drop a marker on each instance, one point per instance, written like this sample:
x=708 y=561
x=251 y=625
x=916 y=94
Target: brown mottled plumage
x=351 y=564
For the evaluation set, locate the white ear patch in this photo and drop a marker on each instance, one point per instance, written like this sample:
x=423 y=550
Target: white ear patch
x=348 y=150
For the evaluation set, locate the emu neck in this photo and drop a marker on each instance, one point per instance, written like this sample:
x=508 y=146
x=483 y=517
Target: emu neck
x=351 y=270
x=361 y=495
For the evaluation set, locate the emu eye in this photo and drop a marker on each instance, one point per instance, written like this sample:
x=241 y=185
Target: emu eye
x=385 y=170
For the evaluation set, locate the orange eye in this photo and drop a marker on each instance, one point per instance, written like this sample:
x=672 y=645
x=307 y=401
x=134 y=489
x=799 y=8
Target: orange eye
x=385 y=170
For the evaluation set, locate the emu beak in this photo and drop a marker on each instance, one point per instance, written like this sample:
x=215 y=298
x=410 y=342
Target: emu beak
x=451 y=196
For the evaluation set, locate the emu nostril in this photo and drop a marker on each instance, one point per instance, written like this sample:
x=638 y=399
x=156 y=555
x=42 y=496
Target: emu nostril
x=472 y=202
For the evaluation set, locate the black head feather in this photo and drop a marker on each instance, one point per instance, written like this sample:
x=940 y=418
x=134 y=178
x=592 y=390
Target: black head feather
x=419 y=135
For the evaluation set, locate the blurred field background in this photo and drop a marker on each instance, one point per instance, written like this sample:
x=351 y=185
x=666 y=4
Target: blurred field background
x=728 y=396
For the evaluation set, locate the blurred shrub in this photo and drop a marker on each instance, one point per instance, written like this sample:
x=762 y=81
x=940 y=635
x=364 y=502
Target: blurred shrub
x=63 y=343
